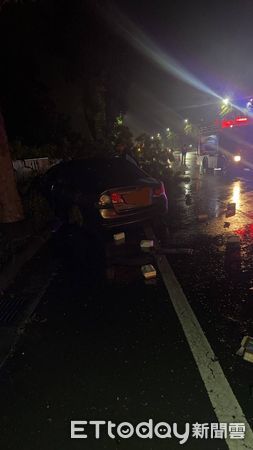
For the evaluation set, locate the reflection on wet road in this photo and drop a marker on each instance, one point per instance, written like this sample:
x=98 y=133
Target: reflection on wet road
x=218 y=277
x=210 y=195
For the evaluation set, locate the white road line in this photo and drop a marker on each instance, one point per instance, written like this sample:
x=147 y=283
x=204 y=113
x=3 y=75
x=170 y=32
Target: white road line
x=225 y=404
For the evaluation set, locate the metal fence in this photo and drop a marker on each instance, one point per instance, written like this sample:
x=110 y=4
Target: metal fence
x=25 y=168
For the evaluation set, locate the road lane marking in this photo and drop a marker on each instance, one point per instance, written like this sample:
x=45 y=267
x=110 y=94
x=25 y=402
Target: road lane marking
x=224 y=402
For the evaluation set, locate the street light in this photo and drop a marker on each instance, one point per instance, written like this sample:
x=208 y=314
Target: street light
x=226 y=101
x=152 y=137
x=167 y=129
x=185 y=120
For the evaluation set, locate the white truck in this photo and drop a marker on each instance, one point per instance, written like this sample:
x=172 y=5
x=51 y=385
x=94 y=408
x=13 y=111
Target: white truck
x=227 y=146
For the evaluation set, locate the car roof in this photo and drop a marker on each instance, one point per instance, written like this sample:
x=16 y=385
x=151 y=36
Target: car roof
x=100 y=173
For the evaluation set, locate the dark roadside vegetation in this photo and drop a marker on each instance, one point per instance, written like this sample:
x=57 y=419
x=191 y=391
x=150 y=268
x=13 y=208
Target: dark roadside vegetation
x=50 y=70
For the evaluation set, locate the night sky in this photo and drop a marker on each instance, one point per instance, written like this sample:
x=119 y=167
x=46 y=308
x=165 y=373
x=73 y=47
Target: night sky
x=211 y=41
x=164 y=61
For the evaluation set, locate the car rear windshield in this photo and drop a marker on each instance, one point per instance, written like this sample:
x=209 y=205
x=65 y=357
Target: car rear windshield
x=104 y=174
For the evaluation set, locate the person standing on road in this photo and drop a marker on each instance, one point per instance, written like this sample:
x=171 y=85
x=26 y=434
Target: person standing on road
x=184 y=152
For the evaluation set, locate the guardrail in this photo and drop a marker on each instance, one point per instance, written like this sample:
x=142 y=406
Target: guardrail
x=25 y=168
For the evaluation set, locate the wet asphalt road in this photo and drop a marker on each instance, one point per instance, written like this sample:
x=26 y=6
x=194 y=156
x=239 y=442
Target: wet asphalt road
x=103 y=345
x=218 y=280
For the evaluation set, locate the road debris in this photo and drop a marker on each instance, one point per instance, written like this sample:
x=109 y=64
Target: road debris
x=119 y=238
x=202 y=217
x=246 y=349
x=233 y=241
x=231 y=209
x=146 y=244
x=148 y=271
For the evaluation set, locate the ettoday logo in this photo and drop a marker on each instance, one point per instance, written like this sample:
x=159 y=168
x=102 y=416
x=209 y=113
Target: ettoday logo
x=82 y=429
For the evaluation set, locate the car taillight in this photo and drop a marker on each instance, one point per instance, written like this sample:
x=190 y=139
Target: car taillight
x=116 y=198
x=158 y=191
x=105 y=200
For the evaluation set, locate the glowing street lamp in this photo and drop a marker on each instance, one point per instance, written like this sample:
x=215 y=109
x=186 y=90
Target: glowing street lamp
x=226 y=101
x=185 y=120
x=225 y=107
x=152 y=137
x=167 y=129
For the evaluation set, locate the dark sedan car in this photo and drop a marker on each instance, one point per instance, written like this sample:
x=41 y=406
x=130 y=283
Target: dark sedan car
x=103 y=191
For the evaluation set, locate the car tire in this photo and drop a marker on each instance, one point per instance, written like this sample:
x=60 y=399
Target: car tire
x=205 y=165
x=224 y=168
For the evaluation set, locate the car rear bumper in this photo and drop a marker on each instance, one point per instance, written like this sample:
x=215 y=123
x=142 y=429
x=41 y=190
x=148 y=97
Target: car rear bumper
x=135 y=216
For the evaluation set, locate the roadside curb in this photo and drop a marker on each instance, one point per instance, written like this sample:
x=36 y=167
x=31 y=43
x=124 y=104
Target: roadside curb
x=17 y=262
x=9 y=335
